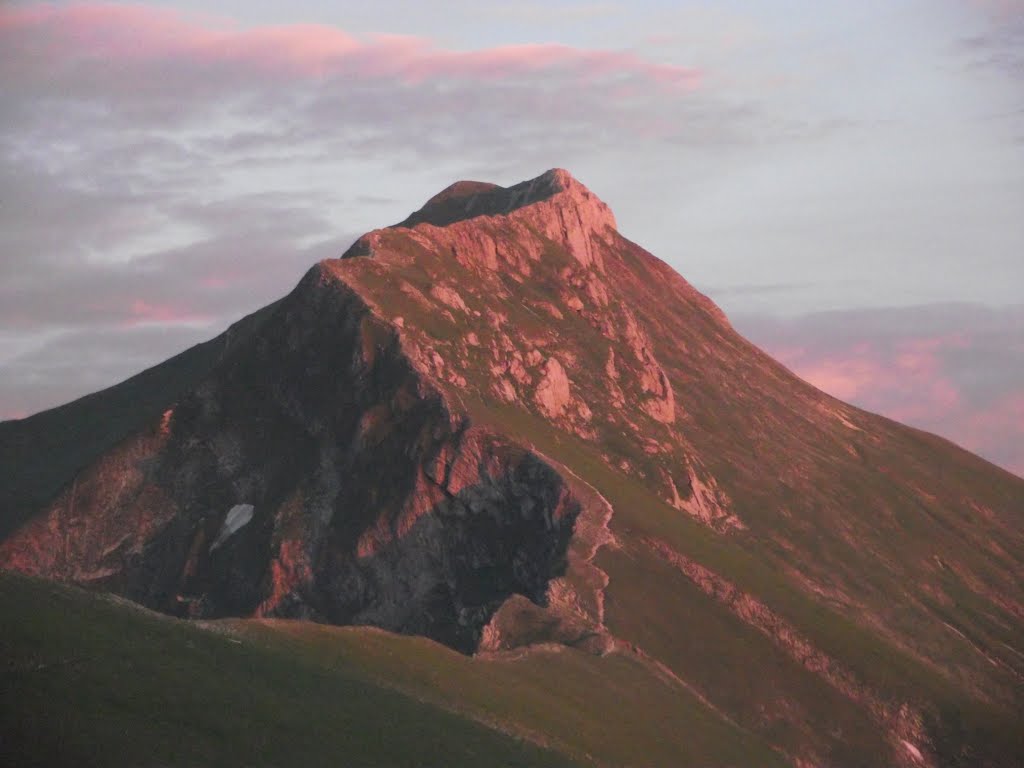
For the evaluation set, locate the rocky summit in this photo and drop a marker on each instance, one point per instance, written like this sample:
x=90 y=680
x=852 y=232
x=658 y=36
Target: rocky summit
x=503 y=426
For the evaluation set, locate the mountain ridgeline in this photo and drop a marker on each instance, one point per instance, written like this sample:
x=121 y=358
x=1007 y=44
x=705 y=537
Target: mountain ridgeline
x=503 y=426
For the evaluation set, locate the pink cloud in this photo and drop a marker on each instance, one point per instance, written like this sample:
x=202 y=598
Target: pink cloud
x=1002 y=419
x=97 y=29
x=863 y=370
x=845 y=379
x=911 y=379
x=141 y=311
x=1000 y=7
x=110 y=32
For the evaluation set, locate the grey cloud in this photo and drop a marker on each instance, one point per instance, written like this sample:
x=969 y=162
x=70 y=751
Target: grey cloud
x=364 y=101
x=214 y=278
x=758 y=289
x=85 y=346
x=80 y=362
x=891 y=323
x=998 y=48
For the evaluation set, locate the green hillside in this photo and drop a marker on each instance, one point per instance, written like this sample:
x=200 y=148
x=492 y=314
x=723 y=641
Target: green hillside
x=92 y=681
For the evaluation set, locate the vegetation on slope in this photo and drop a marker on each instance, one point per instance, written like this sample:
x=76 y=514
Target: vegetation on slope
x=615 y=710
x=653 y=606
x=91 y=681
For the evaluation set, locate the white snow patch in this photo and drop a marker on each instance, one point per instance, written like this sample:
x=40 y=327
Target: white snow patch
x=237 y=517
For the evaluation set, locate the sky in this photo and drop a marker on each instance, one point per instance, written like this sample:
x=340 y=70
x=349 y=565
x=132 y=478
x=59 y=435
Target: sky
x=845 y=179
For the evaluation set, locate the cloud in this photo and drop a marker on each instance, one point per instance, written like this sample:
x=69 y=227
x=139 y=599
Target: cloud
x=998 y=44
x=103 y=35
x=99 y=40
x=65 y=366
x=954 y=369
x=127 y=127
x=92 y=326
x=163 y=169
x=209 y=85
x=59 y=272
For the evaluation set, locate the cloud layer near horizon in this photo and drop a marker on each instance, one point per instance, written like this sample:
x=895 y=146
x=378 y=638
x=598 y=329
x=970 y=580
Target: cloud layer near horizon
x=950 y=369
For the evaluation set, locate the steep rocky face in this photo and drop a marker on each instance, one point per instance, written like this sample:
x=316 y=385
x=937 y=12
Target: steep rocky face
x=314 y=474
x=500 y=424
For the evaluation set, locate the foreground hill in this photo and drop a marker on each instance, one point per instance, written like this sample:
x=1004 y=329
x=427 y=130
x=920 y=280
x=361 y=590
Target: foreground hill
x=89 y=680
x=503 y=426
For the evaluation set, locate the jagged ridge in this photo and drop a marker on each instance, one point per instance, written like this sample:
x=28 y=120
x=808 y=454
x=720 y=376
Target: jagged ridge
x=468 y=199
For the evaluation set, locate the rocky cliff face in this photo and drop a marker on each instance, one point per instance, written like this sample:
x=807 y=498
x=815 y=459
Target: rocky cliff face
x=314 y=474
x=501 y=424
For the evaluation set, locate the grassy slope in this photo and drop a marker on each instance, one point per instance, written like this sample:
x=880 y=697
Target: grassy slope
x=899 y=519
x=87 y=681
x=615 y=709
x=652 y=605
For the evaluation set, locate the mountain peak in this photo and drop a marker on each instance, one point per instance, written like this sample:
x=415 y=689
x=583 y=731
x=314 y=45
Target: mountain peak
x=506 y=428
x=469 y=199
x=554 y=206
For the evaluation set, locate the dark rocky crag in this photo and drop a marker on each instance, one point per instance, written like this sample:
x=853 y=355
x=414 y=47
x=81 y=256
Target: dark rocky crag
x=363 y=498
x=501 y=424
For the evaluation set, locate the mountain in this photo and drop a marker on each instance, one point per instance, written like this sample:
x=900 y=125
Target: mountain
x=503 y=426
